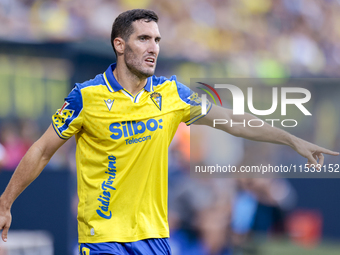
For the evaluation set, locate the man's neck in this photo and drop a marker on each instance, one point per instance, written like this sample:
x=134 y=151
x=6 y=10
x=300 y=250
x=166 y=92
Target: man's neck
x=128 y=80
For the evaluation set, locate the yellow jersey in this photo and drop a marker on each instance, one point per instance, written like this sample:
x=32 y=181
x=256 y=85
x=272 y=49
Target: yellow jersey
x=122 y=153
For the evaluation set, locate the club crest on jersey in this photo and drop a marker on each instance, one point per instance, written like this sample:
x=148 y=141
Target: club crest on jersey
x=109 y=103
x=157 y=99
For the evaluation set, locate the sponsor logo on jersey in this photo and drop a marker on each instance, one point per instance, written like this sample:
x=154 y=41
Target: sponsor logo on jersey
x=157 y=99
x=130 y=128
x=63 y=107
x=137 y=140
x=109 y=103
x=62 y=115
x=107 y=189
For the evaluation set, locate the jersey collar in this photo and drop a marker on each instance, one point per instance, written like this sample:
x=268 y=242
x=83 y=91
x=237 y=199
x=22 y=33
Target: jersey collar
x=113 y=85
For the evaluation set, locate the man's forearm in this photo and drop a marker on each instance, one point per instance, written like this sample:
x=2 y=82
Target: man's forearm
x=28 y=170
x=237 y=125
x=265 y=133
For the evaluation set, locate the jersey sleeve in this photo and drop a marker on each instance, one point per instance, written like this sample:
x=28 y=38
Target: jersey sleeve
x=193 y=104
x=68 y=120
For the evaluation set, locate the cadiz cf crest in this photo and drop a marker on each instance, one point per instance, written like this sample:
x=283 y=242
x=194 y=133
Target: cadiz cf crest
x=157 y=99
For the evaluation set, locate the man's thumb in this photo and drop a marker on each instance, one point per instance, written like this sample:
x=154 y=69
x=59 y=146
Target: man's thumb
x=4 y=233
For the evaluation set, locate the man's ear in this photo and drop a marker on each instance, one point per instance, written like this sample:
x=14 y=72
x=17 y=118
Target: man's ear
x=119 y=45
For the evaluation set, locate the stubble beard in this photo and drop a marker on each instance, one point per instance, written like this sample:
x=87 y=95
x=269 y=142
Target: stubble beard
x=135 y=65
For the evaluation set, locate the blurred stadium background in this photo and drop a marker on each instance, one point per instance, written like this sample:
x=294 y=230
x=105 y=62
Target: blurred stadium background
x=47 y=46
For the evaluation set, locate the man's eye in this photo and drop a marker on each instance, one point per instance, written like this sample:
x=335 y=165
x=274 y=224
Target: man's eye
x=142 y=39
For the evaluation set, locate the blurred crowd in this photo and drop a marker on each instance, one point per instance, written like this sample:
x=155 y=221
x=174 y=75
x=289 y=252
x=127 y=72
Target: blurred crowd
x=264 y=38
x=17 y=136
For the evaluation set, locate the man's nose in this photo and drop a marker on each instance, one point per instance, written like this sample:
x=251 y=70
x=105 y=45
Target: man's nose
x=153 y=48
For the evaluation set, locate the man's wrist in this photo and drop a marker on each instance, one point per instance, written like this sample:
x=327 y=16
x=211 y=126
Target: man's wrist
x=286 y=138
x=5 y=203
x=293 y=141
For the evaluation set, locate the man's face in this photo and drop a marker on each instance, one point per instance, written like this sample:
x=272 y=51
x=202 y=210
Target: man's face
x=142 y=49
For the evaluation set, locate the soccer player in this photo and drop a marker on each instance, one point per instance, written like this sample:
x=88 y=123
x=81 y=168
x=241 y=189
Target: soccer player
x=124 y=121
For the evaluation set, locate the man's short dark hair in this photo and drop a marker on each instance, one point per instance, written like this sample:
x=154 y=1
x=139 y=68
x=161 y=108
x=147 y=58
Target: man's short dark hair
x=122 y=26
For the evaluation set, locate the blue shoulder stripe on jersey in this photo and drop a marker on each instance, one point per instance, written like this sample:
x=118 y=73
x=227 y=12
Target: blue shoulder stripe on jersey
x=160 y=80
x=183 y=91
x=113 y=84
x=75 y=103
x=96 y=81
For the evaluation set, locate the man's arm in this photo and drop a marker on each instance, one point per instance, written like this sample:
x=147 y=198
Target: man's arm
x=266 y=133
x=27 y=171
